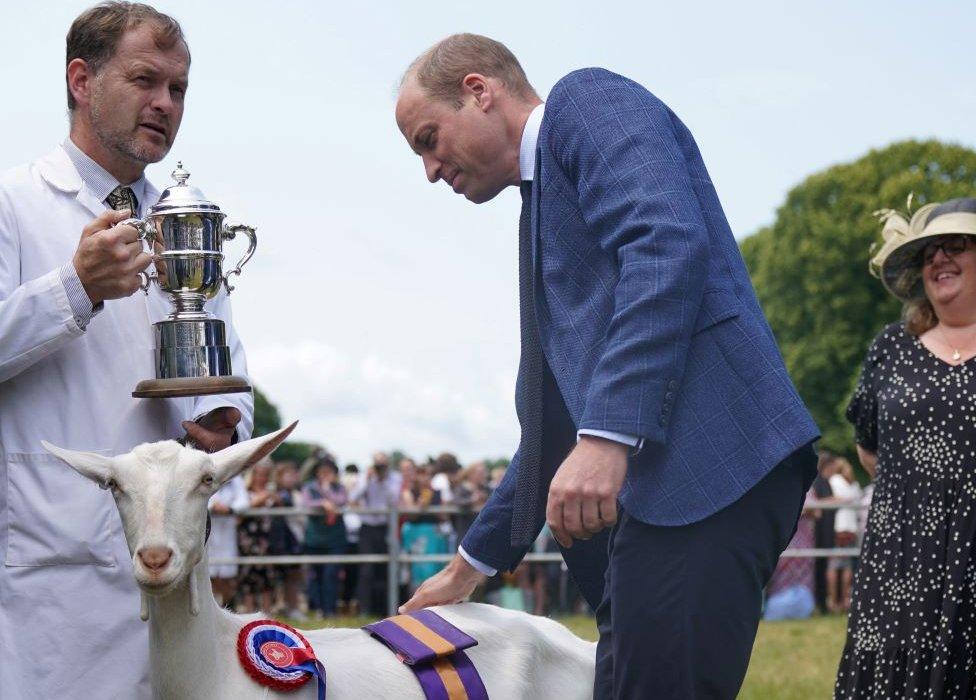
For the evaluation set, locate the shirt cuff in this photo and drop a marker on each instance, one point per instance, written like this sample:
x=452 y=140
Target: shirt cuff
x=632 y=440
x=480 y=567
x=81 y=306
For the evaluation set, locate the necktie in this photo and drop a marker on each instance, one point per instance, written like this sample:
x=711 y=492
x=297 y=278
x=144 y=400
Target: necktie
x=528 y=399
x=123 y=198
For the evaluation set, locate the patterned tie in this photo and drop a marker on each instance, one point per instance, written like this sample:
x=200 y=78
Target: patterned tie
x=528 y=398
x=123 y=198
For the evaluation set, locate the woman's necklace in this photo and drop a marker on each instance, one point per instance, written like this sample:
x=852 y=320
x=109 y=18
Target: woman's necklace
x=956 y=353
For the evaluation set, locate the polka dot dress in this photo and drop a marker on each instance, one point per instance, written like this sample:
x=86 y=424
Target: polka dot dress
x=912 y=627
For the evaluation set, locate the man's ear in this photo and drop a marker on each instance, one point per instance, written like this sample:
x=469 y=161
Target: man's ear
x=477 y=86
x=92 y=466
x=231 y=461
x=79 y=78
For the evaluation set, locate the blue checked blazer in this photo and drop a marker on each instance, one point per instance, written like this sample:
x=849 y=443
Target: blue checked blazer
x=647 y=317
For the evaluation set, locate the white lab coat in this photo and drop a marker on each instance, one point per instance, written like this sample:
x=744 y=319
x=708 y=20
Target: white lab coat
x=223 y=528
x=69 y=606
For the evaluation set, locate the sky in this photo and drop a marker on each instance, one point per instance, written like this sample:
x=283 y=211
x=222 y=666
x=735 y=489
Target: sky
x=381 y=311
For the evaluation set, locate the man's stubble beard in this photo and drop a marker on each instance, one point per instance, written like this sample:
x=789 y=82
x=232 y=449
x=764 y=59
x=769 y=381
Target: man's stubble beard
x=126 y=145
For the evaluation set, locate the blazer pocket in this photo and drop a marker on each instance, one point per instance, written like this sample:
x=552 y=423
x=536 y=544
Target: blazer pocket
x=717 y=305
x=55 y=515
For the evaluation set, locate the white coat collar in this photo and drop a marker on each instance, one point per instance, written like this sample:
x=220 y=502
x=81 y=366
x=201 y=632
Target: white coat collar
x=58 y=171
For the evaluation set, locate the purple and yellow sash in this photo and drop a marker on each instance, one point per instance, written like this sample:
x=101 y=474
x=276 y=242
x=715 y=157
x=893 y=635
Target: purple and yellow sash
x=433 y=649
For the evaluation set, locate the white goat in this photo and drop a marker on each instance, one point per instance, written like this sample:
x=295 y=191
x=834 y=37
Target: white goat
x=161 y=490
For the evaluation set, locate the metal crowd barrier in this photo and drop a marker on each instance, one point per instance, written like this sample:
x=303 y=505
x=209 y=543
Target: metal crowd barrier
x=396 y=557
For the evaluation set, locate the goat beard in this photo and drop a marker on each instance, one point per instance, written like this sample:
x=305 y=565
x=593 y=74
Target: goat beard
x=194 y=600
x=194 y=596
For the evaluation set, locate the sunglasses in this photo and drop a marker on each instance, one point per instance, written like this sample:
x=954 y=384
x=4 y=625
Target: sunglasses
x=950 y=246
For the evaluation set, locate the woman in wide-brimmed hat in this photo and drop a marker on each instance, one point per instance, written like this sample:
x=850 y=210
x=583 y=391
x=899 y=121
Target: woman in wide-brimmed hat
x=912 y=628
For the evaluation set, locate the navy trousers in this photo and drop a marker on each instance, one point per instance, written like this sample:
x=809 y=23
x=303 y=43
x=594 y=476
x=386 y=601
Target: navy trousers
x=680 y=606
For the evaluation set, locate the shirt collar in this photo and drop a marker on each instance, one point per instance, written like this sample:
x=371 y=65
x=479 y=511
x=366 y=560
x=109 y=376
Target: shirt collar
x=98 y=179
x=530 y=137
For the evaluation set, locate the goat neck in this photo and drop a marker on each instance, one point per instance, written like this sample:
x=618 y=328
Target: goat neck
x=183 y=646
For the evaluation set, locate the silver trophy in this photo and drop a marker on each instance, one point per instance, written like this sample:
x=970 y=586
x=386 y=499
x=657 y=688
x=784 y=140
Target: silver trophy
x=186 y=232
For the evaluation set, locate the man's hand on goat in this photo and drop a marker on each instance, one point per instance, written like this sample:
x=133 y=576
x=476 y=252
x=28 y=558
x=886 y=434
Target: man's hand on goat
x=583 y=494
x=214 y=431
x=452 y=584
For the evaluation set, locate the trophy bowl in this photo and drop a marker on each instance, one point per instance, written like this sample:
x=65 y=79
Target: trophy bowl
x=189 y=231
x=186 y=232
x=190 y=273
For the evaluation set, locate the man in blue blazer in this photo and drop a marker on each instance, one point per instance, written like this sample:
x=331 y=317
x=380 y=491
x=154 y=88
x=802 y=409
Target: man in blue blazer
x=651 y=394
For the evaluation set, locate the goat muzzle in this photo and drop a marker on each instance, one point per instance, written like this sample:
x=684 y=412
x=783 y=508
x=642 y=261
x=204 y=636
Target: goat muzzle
x=155 y=558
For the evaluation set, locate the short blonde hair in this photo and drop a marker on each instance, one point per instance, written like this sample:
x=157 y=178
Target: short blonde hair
x=440 y=69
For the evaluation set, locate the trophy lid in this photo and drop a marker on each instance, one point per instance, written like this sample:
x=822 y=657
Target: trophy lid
x=182 y=198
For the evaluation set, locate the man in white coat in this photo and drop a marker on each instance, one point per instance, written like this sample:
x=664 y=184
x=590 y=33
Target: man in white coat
x=75 y=338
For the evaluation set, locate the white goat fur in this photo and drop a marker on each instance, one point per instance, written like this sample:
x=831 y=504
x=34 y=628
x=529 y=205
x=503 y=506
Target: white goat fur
x=161 y=490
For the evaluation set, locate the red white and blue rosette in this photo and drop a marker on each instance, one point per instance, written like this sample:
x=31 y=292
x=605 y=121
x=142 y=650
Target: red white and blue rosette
x=278 y=656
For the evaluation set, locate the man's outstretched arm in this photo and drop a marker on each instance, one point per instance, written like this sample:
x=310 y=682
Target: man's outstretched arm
x=488 y=541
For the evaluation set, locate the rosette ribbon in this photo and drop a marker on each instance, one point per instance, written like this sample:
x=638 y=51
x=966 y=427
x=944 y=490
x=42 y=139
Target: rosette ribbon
x=278 y=656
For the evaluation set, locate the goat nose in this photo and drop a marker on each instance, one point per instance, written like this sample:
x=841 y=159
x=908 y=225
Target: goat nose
x=155 y=558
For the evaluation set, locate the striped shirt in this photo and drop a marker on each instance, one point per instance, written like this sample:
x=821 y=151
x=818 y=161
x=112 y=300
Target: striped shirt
x=101 y=183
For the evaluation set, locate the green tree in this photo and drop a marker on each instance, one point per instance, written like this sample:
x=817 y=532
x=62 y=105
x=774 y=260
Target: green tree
x=267 y=419
x=810 y=267
x=497 y=462
x=396 y=455
x=293 y=451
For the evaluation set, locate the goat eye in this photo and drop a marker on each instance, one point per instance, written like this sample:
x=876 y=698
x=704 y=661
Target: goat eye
x=208 y=480
x=112 y=485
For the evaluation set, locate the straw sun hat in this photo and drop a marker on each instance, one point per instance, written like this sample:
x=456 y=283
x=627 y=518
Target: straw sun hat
x=898 y=260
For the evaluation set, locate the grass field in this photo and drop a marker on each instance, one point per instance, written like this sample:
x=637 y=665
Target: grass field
x=793 y=660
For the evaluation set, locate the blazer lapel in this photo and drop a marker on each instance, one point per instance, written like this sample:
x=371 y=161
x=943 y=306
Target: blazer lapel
x=535 y=214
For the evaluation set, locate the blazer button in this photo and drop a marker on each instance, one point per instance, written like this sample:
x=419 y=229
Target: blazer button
x=669 y=396
x=673 y=384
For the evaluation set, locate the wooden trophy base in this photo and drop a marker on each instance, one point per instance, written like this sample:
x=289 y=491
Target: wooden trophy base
x=189 y=386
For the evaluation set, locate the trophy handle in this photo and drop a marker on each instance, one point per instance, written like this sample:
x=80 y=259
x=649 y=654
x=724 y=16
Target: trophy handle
x=146 y=235
x=229 y=232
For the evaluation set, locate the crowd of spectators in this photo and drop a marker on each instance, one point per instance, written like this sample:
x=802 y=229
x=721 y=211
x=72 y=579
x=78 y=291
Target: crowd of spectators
x=298 y=591
x=802 y=585
x=799 y=586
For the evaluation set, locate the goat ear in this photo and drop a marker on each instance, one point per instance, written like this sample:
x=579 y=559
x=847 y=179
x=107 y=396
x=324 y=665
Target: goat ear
x=92 y=466
x=231 y=461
